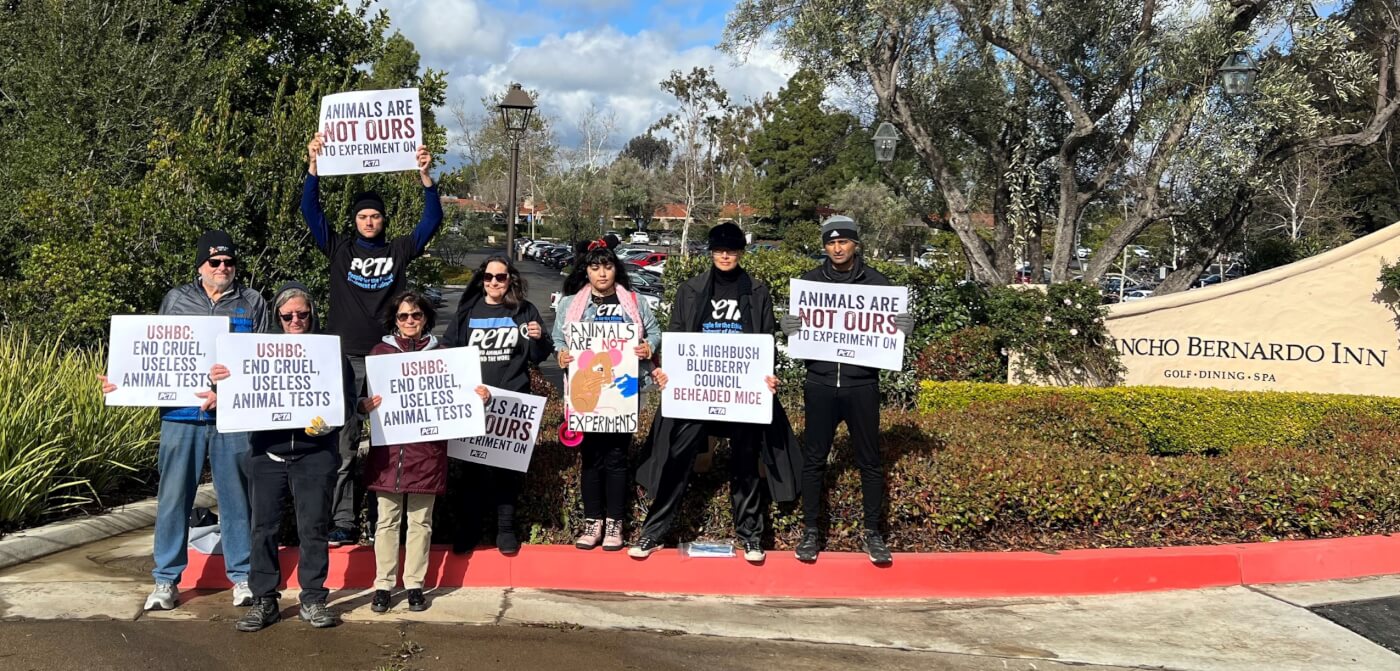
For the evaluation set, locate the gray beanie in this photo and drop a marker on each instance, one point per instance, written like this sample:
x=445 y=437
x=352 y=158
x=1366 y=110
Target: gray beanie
x=840 y=226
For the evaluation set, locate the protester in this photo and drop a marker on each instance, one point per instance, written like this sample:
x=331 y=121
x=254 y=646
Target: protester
x=836 y=392
x=598 y=290
x=722 y=300
x=367 y=270
x=188 y=434
x=494 y=316
x=406 y=478
x=300 y=462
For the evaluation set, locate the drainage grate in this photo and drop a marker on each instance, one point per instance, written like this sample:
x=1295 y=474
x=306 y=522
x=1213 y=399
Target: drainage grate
x=1376 y=619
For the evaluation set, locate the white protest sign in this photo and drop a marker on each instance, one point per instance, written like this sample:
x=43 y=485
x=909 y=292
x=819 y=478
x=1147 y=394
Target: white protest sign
x=279 y=381
x=369 y=131
x=717 y=377
x=600 y=393
x=848 y=323
x=512 y=425
x=161 y=360
x=428 y=395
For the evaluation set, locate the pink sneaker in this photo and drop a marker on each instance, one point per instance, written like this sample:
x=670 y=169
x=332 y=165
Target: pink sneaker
x=592 y=535
x=612 y=539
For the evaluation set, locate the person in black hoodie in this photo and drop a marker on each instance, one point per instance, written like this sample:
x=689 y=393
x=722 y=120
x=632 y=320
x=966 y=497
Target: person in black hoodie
x=836 y=392
x=723 y=299
x=494 y=316
x=300 y=462
x=367 y=271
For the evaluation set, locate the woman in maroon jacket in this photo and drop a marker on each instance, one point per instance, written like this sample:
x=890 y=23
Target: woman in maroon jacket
x=409 y=477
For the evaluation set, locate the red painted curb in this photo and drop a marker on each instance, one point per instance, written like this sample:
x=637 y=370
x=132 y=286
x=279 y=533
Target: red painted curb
x=851 y=575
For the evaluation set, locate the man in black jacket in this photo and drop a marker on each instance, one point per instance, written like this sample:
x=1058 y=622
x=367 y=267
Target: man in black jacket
x=300 y=462
x=724 y=299
x=367 y=271
x=836 y=392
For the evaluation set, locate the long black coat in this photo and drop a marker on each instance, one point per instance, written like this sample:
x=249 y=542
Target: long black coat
x=779 y=451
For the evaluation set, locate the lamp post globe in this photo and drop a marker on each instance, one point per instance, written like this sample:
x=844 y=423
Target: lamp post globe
x=886 y=138
x=1237 y=74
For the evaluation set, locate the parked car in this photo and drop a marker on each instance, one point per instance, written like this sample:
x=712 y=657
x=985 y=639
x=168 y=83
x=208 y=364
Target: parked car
x=645 y=282
x=658 y=269
x=1208 y=280
x=434 y=296
x=1136 y=295
x=640 y=238
x=650 y=259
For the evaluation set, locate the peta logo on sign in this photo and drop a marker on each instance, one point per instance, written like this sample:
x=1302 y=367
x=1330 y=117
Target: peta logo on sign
x=716 y=410
x=167 y=396
x=846 y=353
x=370 y=163
x=428 y=431
x=281 y=416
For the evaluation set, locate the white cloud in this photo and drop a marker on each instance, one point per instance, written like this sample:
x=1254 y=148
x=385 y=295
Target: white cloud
x=573 y=69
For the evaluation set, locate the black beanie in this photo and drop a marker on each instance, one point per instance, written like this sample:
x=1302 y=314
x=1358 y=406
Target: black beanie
x=727 y=236
x=213 y=243
x=367 y=200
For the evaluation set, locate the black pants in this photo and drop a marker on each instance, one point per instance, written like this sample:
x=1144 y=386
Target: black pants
x=310 y=480
x=826 y=408
x=603 y=478
x=349 y=492
x=747 y=495
x=477 y=490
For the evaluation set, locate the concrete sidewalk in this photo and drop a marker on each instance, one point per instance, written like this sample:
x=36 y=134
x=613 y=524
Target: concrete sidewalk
x=1220 y=629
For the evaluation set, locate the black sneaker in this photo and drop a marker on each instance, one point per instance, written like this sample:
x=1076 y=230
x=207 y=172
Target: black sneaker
x=380 y=602
x=416 y=602
x=262 y=613
x=318 y=615
x=644 y=548
x=808 y=547
x=507 y=542
x=342 y=536
x=753 y=551
x=874 y=545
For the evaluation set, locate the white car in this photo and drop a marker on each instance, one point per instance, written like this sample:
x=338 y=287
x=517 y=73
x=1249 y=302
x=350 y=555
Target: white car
x=658 y=268
x=640 y=238
x=1137 y=295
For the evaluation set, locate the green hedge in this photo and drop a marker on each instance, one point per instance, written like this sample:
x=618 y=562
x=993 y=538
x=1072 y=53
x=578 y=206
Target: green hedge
x=1174 y=420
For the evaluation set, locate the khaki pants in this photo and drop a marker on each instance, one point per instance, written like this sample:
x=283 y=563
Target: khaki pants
x=386 y=539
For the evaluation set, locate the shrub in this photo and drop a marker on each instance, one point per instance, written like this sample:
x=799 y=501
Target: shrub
x=60 y=447
x=1175 y=421
x=971 y=355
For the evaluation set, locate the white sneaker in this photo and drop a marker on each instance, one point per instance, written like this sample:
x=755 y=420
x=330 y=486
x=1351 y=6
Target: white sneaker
x=753 y=552
x=242 y=596
x=162 y=597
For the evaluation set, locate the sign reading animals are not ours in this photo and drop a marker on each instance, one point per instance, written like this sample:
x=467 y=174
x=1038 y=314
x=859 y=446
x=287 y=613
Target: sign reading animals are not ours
x=848 y=323
x=600 y=393
x=512 y=426
x=161 y=360
x=279 y=381
x=428 y=395
x=370 y=131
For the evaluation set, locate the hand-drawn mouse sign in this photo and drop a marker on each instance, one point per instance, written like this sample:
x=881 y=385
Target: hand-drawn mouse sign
x=601 y=390
x=370 y=131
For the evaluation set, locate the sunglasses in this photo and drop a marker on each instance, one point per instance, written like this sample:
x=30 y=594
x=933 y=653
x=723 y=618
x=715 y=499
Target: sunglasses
x=215 y=263
x=302 y=315
x=497 y=277
x=415 y=316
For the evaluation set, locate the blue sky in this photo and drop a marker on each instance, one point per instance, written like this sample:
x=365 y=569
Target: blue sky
x=608 y=54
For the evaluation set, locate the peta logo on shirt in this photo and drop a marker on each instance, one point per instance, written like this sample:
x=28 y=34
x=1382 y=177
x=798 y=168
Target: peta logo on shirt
x=611 y=312
x=371 y=274
x=725 y=308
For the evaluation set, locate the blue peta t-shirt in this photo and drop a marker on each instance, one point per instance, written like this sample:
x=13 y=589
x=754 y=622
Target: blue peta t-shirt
x=608 y=309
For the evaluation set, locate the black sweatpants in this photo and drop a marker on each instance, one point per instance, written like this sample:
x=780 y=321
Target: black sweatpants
x=310 y=479
x=747 y=496
x=479 y=489
x=826 y=408
x=349 y=491
x=603 y=478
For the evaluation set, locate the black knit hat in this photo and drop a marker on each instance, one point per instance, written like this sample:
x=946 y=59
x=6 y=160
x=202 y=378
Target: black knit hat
x=213 y=243
x=727 y=236
x=367 y=200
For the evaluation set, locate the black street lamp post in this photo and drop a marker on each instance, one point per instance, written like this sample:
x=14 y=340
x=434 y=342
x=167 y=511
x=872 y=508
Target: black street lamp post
x=516 y=109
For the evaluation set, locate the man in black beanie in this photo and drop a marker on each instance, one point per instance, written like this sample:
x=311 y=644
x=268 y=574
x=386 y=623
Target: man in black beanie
x=367 y=271
x=836 y=392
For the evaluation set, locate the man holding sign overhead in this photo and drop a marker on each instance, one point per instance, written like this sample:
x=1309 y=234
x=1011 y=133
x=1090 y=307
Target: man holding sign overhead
x=849 y=392
x=367 y=269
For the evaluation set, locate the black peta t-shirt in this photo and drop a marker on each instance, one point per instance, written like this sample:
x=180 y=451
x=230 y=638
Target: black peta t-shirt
x=363 y=282
x=722 y=313
x=607 y=309
x=503 y=344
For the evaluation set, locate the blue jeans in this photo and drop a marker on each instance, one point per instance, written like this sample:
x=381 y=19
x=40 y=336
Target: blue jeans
x=182 y=450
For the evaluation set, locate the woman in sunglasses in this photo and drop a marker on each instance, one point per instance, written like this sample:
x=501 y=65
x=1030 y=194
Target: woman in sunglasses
x=494 y=316
x=598 y=290
x=408 y=477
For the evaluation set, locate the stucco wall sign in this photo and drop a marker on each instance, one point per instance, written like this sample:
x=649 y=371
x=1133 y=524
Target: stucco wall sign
x=1322 y=324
